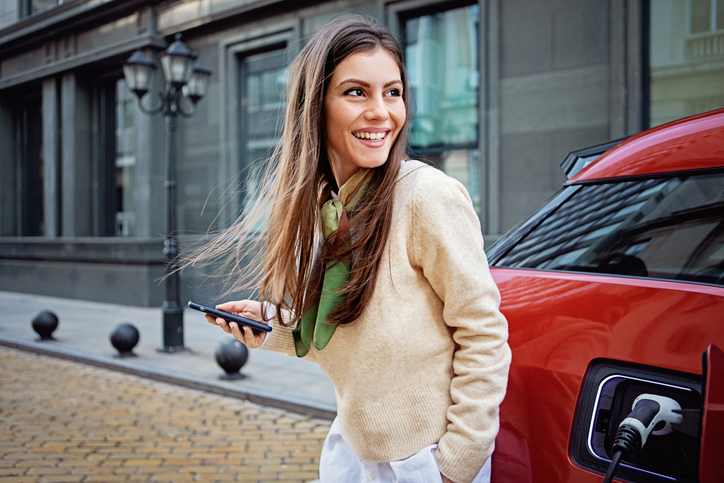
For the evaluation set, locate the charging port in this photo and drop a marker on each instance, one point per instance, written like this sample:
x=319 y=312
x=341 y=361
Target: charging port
x=611 y=392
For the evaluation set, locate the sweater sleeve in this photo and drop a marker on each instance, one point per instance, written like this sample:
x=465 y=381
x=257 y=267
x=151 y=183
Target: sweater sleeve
x=448 y=246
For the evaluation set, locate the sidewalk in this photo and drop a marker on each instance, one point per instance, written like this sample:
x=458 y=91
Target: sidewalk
x=83 y=334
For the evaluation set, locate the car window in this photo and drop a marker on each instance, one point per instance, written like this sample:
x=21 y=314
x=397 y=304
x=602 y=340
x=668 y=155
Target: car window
x=661 y=228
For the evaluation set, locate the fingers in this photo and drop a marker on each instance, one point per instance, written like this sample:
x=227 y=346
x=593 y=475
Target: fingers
x=246 y=308
x=216 y=321
x=220 y=322
x=248 y=336
x=238 y=332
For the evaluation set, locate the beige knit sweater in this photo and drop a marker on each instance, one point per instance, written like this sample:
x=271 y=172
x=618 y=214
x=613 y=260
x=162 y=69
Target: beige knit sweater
x=427 y=362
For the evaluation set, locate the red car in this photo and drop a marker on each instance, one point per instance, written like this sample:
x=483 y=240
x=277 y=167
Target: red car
x=614 y=289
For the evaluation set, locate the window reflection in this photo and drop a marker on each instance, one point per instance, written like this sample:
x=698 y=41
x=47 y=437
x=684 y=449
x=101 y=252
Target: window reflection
x=125 y=160
x=441 y=58
x=687 y=55
x=668 y=228
x=263 y=84
x=35 y=6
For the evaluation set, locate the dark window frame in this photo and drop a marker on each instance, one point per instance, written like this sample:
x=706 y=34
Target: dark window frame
x=105 y=194
x=645 y=59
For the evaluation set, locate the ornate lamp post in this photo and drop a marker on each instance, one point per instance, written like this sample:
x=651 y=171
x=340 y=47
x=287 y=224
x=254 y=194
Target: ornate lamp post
x=187 y=79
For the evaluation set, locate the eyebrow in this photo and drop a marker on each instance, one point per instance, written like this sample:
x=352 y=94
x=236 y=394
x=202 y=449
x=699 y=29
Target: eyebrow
x=367 y=84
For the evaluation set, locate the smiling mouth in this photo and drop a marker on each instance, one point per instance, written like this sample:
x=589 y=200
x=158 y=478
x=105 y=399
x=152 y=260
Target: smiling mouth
x=372 y=136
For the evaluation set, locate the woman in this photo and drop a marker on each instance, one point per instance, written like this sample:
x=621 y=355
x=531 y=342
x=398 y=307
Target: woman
x=374 y=268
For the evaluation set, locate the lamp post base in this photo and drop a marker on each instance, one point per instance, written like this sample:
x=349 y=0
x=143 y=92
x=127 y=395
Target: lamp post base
x=171 y=349
x=173 y=330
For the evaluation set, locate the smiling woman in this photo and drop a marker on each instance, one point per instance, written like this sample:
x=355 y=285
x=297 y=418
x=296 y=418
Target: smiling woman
x=373 y=267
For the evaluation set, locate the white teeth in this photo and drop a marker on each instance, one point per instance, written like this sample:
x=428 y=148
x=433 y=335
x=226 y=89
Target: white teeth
x=374 y=136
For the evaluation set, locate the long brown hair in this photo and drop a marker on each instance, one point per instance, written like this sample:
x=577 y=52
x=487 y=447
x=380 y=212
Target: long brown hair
x=298 y=172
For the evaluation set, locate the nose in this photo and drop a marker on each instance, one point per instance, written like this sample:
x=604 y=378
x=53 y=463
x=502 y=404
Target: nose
x=376 y=109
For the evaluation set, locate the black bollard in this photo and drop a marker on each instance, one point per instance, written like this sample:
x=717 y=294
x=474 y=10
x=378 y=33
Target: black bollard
x=231 y=355
x=124 y=338
x=44 y=323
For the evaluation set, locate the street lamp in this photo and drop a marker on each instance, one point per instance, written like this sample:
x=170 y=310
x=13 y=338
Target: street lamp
x=185 y=78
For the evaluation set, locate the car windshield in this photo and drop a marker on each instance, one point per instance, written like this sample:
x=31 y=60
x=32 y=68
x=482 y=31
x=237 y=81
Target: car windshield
x=669 y=228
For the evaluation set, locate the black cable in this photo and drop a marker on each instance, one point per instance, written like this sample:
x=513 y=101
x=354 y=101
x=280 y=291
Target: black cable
x=613 y=467
x=627 y=441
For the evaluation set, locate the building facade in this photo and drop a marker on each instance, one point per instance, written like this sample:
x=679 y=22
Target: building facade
x=503 y=91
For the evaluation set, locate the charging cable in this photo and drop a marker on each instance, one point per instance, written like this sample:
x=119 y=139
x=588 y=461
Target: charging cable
x=649 y=411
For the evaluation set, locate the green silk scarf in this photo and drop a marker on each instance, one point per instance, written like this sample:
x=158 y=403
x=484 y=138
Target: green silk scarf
x=313 y=328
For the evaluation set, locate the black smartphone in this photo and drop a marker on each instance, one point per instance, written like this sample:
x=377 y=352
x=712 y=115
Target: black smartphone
x=229 y=317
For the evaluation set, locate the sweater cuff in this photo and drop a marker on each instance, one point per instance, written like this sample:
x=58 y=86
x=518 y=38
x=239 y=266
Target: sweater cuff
x=270 y=313
x=459 y=462
x=280 y=339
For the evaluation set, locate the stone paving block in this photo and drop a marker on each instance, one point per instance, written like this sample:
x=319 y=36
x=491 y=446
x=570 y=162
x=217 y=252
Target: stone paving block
x=61 y=479
x=104 y=478
x=122 y=454
x=40 y=463
x=215 y=460
x=297 y=460
x=45 y=470
x=202 y=468
x=171 y=477
x=25 y=456
x=17 y=471
x=300 y=474
x=142 y=462
x=259 y=475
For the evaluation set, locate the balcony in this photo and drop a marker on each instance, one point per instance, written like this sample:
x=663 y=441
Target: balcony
x=706 y=46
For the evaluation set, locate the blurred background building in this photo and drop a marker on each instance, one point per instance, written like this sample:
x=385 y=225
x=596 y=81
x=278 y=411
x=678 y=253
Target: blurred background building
x=503 y=91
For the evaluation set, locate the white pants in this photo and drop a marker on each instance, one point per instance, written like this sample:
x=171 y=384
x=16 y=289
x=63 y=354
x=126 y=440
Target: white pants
x=339 y=464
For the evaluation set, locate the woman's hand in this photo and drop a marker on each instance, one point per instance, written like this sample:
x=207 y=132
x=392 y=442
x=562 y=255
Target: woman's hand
x=250 y=309
x=445 y=479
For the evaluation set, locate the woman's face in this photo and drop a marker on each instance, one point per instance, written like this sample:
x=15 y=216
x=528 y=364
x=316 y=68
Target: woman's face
x=363 y=111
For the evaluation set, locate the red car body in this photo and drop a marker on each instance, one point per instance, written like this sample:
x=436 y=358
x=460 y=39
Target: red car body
x=568 y=323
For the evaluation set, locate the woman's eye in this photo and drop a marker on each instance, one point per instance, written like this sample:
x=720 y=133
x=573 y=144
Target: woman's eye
x=394 y=92
x=353 y=92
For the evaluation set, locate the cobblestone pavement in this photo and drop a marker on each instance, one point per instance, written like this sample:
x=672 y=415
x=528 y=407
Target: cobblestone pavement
x=63 y=421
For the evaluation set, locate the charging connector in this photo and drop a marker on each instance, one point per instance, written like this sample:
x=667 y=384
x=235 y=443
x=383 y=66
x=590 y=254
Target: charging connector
x=651 y=414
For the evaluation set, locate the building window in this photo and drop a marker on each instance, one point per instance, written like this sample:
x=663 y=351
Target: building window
x=29 y=167
x=31 y=7
x=686 y=58
x=441 y=57
x=263 y=86
x=706 y=16
x=116 y=168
